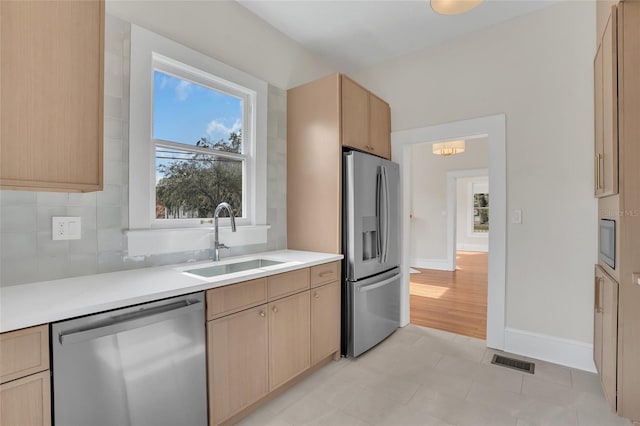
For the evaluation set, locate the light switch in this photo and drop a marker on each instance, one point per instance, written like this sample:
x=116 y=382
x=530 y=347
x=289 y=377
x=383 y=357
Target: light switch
x=66 y=228
x=516 y=216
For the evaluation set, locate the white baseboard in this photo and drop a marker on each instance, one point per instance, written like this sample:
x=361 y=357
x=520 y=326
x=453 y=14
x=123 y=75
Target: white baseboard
x=472 y=247
x=439 y=264
x=570 y=353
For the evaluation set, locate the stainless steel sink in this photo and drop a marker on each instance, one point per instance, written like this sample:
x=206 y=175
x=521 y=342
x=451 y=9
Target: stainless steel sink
x=212 y=271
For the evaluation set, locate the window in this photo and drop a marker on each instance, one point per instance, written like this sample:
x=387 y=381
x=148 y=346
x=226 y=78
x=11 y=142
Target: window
x=197 y=137
x=480 y=194
x=200 y=157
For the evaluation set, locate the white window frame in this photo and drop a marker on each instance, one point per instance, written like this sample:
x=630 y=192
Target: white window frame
x=150 y=51
x=199 y=77
x=482 y=184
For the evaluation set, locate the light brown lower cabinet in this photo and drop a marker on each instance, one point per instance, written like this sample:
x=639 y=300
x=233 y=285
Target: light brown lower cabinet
x=257 y=352
x=26 y=401
x=605 y=340
x=238 y=366
x=289 y=338
x=325 y=321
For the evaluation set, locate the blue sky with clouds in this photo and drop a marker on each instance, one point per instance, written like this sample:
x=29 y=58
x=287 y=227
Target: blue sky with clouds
x=185 y=112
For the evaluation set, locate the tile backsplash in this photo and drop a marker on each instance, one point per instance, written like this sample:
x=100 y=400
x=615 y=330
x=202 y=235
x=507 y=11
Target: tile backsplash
x=27 y=251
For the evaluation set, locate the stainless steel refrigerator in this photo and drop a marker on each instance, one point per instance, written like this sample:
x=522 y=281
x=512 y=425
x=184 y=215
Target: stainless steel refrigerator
x=371 y=244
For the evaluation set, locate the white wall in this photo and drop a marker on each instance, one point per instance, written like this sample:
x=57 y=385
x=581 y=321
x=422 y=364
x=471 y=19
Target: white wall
x=228 y=32
x=466 y=239
x=536 y=69
x=429 y=197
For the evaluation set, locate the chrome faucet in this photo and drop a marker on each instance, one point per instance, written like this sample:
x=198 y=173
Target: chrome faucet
x=216 y=245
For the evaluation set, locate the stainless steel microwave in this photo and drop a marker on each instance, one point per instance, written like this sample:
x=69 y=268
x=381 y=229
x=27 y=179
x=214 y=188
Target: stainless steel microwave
x=607 y=249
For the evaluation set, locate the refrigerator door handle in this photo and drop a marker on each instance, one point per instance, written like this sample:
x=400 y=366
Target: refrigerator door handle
x=377 y=285
x=387 y=213
x=379 y=192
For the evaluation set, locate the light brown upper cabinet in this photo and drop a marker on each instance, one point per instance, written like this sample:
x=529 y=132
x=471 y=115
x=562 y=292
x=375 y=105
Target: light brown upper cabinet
x=51 y=102
x=605 y=72
x=380 y=127
x=366 y=120
x=322 y=117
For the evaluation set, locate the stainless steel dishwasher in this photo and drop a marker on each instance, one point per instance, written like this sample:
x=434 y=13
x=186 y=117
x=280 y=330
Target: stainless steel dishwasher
x=143 y=365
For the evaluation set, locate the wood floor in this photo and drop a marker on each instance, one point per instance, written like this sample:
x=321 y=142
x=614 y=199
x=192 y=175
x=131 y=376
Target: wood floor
x=453 y=301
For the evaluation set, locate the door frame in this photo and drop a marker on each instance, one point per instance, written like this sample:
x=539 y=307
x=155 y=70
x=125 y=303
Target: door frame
x=494 y=128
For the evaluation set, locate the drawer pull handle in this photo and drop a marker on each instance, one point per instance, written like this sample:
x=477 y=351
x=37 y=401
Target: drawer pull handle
x=275 y=310
x=325 y=273
x=262 y=314
x=316 y=295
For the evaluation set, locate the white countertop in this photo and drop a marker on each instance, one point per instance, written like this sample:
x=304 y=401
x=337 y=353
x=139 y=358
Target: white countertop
x=47 y=301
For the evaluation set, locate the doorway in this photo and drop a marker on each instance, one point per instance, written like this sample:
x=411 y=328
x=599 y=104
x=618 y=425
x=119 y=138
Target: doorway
x=493 y=128
x=449 y=237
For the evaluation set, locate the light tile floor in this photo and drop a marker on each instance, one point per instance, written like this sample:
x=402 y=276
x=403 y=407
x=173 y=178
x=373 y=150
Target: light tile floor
x=422 y=376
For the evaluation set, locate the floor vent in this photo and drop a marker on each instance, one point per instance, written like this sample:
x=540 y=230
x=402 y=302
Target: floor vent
x=516 y=364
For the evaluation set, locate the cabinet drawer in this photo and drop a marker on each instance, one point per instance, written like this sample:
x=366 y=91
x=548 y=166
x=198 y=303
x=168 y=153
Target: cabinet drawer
x=324 y=274
x=24 y=352
x=226 y=300
x=288 y=283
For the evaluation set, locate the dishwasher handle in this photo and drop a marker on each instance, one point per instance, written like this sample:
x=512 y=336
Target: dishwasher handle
x=129 y=321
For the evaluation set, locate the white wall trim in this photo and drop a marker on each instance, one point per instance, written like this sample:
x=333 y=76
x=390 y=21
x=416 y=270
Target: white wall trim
x=494 y=128
x=438 y=264
x=472 y=247
x=144 y=45
x=570 y=353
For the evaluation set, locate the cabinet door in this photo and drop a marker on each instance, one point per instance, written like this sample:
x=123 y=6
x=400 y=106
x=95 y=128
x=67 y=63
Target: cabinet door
x=52 y=95
x=598 y=185
x=380 y=127
x=26 y=401
x=289 y=339
x=238 y=362
x=355 y=115
x=607 y=183
x=325 y=321
x=597 y=321
x=605 y=339
x=608 y=373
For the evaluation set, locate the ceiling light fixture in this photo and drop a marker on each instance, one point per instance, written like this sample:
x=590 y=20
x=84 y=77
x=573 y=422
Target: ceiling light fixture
x=454 y=7
x=448 y=148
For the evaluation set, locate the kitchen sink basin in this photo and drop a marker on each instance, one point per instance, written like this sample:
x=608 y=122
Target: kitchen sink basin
x=229 y=268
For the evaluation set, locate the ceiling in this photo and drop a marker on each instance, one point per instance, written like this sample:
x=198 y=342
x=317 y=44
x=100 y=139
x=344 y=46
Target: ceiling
x=355 y=34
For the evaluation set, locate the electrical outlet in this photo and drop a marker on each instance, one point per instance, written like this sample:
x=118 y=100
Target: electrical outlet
x=66 y=228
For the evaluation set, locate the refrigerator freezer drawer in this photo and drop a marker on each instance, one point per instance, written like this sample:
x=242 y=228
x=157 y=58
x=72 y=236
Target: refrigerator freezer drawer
x=374 y=311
